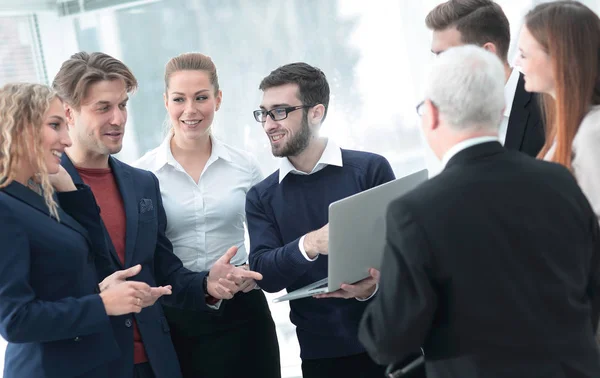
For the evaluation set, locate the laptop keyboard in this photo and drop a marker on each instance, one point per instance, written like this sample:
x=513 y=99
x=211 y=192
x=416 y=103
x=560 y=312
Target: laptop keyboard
x=320 y=286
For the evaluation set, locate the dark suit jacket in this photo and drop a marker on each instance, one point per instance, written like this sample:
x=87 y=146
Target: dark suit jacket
x=525 y=131
x=146 y=244
x=50 y=313
x=493 y=267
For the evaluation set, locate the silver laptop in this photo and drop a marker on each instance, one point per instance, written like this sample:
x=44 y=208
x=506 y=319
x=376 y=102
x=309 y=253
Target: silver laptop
x=357 y=235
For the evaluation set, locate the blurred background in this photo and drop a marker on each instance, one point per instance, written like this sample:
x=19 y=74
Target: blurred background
x=374 y=54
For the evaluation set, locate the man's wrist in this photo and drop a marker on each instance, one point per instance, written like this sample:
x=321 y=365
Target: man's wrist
x=307 y=246
x=205 y=284
x=370 y=295
x=210 y=300
x=301 y=246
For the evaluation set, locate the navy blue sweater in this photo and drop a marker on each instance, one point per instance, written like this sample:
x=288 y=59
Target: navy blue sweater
x=278 y=215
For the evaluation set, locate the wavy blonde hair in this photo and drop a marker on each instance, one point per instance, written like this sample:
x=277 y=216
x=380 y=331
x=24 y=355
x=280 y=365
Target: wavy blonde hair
x=22 y=109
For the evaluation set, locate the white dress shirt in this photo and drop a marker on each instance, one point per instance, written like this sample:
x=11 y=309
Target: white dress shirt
x=205 y=219
x=332 y=155
x=510 y=88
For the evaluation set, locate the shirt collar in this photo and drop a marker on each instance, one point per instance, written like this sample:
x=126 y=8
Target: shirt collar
x=332 y=155
x=464 y=145
x=165 y=156
x=510 y=88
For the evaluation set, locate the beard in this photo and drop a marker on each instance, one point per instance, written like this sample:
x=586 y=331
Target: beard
x=297 y=143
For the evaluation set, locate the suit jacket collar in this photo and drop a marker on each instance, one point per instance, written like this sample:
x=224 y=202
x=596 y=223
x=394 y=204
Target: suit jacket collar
x=475 y=152
x=518 y=116
x=28 y=196
x=127 y=190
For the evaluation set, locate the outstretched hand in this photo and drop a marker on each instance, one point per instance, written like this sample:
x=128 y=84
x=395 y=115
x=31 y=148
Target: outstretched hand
x=225 y=279
x=121 y=276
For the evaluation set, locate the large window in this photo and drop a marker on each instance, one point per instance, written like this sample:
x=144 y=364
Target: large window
x=21 y=57
x=373 y=53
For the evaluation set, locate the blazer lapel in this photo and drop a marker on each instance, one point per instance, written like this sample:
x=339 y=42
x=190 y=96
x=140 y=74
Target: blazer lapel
x=519 y=114
x=127 y=189
x=70 y=168
x=28 y=196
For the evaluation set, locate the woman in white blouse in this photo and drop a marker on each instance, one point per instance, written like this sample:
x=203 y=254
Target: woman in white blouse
x=203 y=184
x=559 y=55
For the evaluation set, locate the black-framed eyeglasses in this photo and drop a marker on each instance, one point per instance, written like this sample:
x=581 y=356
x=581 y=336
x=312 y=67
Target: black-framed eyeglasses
x=420 y=109
x=277 y=114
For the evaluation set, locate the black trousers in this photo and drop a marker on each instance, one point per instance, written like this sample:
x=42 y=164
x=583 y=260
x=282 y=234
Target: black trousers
x=355 y=366
x=143 y=371
x=240 y=341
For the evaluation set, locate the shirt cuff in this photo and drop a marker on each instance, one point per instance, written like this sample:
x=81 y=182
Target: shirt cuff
x=370 y=296
x=213 y=303
x=301 y=246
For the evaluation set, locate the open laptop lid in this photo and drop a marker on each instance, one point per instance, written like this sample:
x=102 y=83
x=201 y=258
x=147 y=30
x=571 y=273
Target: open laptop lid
x=357 y=229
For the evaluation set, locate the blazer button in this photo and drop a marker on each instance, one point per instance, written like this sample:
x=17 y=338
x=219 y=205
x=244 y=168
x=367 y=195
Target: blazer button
x=90 y=257
x=77 y=338
x=128 y=323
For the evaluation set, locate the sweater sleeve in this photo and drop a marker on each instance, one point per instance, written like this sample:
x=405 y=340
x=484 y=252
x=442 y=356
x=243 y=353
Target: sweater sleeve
x=380 y=172
x=280 y=264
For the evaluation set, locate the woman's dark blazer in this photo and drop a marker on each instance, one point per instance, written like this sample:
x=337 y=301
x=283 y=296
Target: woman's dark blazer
x=50 y=311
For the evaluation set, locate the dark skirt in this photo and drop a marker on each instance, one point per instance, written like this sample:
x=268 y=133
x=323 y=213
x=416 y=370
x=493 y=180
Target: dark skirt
x=239 y=341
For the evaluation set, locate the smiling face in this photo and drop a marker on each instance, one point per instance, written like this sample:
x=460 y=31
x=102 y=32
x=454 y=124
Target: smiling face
x=97 y=128
x=55 y=135
x=535 y=64
x=290 y=136
x=191 y=103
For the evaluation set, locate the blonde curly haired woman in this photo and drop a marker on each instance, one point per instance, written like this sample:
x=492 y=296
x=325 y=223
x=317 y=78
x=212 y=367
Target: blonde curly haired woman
x=52 y=313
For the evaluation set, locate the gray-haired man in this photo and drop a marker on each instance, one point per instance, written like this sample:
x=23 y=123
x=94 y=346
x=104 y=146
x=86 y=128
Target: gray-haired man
x=491 y=266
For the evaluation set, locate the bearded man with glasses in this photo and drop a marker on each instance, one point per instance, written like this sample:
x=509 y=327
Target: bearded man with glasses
x=288 y=225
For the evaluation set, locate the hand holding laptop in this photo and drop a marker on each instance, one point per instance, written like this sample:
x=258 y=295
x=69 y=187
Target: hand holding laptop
x=317 y=242
x=362 y=289
x=354 y=242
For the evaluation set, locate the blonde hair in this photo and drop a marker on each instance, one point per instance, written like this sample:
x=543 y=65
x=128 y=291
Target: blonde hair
x=22 y=108
x=192 y=62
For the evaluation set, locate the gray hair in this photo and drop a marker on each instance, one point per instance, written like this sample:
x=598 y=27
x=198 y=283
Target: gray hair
x=466 y=84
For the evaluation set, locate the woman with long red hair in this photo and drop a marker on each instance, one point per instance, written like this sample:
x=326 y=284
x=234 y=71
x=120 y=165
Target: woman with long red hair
x=559 y=55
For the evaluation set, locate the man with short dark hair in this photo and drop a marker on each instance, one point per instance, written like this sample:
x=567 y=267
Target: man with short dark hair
x=287 y=216
x=483 y=23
